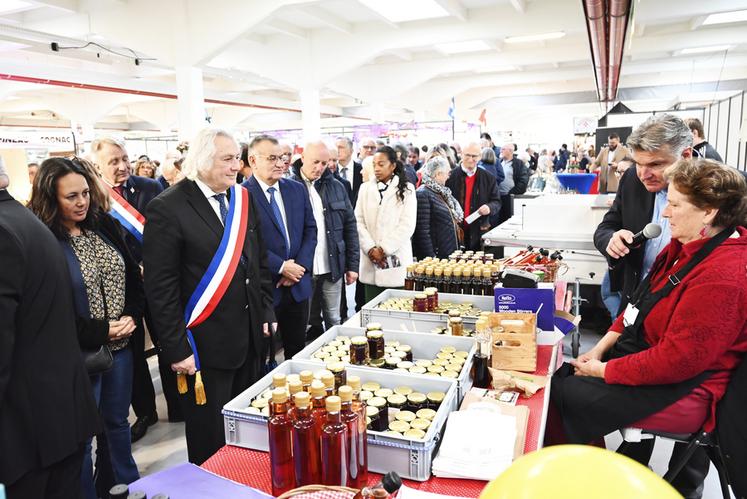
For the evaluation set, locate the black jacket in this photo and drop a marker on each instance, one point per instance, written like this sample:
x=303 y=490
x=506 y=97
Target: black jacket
x=632 y=210
x=47 y=409
x=435 y=231
x=706 y=150
x=94 y=332
x=521 y=175
x=357 y=180
x=339 y=223
x=411 y=175
x=485 y=191
x=139 y=192
x=181 y=238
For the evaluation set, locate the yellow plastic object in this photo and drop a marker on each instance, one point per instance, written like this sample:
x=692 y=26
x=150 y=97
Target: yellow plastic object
x=572 y=471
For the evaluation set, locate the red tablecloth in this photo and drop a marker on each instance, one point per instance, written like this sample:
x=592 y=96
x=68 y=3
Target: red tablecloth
x=252 y=467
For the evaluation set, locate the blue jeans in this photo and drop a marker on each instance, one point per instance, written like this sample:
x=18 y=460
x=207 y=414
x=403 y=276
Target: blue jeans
x=611 y=300
x=113 y=391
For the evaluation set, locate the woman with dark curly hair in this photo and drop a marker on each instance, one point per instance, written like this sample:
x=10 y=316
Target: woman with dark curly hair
x=107 y=294
x=386 y=212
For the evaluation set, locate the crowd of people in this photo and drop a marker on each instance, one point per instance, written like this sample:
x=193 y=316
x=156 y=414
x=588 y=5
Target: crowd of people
x=235 y=244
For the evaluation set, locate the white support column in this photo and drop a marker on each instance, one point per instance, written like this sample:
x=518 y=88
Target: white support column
x=310 y=117
x=191 y=101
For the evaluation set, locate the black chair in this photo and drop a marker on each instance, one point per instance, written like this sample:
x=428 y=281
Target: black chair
x=726 y=446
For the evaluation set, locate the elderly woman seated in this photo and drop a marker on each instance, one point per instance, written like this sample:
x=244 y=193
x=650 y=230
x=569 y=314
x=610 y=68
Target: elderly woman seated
x=666 y=361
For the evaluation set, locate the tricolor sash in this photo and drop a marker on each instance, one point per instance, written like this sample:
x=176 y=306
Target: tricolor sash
x=127 y=215
x=222 y=268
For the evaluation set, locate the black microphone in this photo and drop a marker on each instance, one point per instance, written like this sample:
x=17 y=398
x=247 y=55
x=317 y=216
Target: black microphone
x=650 y=231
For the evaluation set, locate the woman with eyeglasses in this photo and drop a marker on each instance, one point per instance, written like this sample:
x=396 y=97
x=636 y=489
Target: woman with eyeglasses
x=386 y=212
x=107 y=293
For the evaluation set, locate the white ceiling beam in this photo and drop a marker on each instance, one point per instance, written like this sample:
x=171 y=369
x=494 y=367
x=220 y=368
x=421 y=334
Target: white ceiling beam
x=454 y=8
x=287 y=29
x=379 y=16
x=69 y=5
x=697 y=22
x=519 y=5
x=329 y=20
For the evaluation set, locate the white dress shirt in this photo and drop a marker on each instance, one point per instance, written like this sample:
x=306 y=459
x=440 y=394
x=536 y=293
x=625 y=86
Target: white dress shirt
x=209 y=193
x=348 y=173
x=321 y=258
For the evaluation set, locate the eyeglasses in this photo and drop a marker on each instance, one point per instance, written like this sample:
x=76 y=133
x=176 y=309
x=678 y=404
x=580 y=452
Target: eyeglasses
x=273 y=159
x=368 y=147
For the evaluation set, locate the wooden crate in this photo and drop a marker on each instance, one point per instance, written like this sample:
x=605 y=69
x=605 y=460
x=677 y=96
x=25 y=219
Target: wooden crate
x=514 y=348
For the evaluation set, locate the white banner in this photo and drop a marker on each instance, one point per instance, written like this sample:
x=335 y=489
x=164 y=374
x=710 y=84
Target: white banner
x=54 y=141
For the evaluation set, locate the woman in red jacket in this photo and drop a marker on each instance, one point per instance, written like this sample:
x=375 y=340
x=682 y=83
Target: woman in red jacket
x=666 y=361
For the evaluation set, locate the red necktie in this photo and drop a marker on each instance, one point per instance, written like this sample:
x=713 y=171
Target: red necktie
x=120 y=190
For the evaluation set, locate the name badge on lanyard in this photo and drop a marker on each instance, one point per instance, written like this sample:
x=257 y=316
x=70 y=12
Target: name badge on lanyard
x=630 y=315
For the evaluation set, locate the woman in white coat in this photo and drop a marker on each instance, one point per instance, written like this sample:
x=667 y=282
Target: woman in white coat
x=386 y=213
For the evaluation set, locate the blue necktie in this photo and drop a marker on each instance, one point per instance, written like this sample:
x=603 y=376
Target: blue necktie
x=223 y=208
x=278 y=218
x=223 y=214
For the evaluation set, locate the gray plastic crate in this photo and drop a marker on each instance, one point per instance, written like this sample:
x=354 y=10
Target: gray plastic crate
x=419 y=322
x=424 y=346
x=409 y=458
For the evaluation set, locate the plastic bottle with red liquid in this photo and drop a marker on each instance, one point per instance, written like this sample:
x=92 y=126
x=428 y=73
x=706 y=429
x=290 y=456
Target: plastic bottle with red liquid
x=306 y=443
x=334 y=445
x=357 y=459
x=280 y=434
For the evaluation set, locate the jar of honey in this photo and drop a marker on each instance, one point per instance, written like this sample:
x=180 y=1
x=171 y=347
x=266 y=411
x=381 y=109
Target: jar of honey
x=359 y=351
x=375 y=344
x=432 y=295
x=457 y=326
x=420 y=303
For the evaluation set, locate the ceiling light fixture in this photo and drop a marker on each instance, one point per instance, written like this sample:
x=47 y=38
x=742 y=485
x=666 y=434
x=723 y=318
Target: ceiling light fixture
x=735 y=16
x=398 y=11
x=704 y=50
x=535 y=38
x=462 y=47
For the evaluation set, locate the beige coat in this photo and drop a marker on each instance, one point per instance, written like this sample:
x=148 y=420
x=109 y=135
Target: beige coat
x=607 y=179
x=388 y=225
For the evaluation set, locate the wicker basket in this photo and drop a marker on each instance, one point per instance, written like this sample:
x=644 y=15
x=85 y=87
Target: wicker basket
x=310 y=489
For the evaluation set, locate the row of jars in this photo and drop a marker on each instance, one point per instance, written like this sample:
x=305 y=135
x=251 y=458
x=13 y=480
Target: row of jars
x=455 y=278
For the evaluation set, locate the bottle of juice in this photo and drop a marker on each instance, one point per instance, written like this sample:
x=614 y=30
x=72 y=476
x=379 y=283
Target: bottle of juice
x=280 y=433
x=334 y=445
x=357 y=459
x=306 y=443
x=318 y=407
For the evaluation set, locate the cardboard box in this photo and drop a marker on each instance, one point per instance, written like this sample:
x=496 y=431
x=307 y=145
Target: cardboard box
x=540 y=300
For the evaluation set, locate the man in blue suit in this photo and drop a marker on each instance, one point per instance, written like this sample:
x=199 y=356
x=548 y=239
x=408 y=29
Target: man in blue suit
x=289 y=233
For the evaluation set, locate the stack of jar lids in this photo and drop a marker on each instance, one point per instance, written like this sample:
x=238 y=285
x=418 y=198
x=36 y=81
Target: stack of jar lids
x=466 y=309
x=337 y=350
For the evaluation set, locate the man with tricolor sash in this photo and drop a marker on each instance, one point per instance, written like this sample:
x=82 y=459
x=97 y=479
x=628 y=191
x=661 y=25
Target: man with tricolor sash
x=206 y=275
x=130 y=196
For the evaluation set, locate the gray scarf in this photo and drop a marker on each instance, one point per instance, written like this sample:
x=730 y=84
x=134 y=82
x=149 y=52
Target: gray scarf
x=456 y=211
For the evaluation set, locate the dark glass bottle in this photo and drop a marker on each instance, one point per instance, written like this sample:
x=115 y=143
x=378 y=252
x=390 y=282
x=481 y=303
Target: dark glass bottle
x=446 y=283
x=419 y=276
x=280 y=434
x=438 y=279
x=410 y=278
x=456 y=282
x=481 y=377
x=357 y=459
x=306 y=451
x=488 y=289
x=467 y=281
x=334 y=446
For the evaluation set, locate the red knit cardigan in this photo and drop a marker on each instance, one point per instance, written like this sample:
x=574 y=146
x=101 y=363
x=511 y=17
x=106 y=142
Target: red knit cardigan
x=700 y=326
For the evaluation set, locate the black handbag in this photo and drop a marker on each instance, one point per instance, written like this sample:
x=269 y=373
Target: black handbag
x=100 y=360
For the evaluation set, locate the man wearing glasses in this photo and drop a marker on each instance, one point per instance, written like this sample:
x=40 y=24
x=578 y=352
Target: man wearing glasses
x=289 y=234
x=285 y=156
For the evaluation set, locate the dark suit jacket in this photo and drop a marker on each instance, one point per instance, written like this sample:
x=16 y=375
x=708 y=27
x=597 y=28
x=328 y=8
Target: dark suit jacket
x=164 y=183
x=521 y=175
x=139 y=192
x=632 y=210
x=357 y=181
x=47 y=410
x=485 y=191
x=181 y=237
x=301 y=231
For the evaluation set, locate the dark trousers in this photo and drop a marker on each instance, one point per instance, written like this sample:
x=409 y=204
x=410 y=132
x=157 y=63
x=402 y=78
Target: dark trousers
x=689 y=481
x=143 y=393
x=168 y=383
x=343 y=304
x=360 y=296
x=204 y=423
x=58 y=481
x=507 y=208
x=292 y=317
